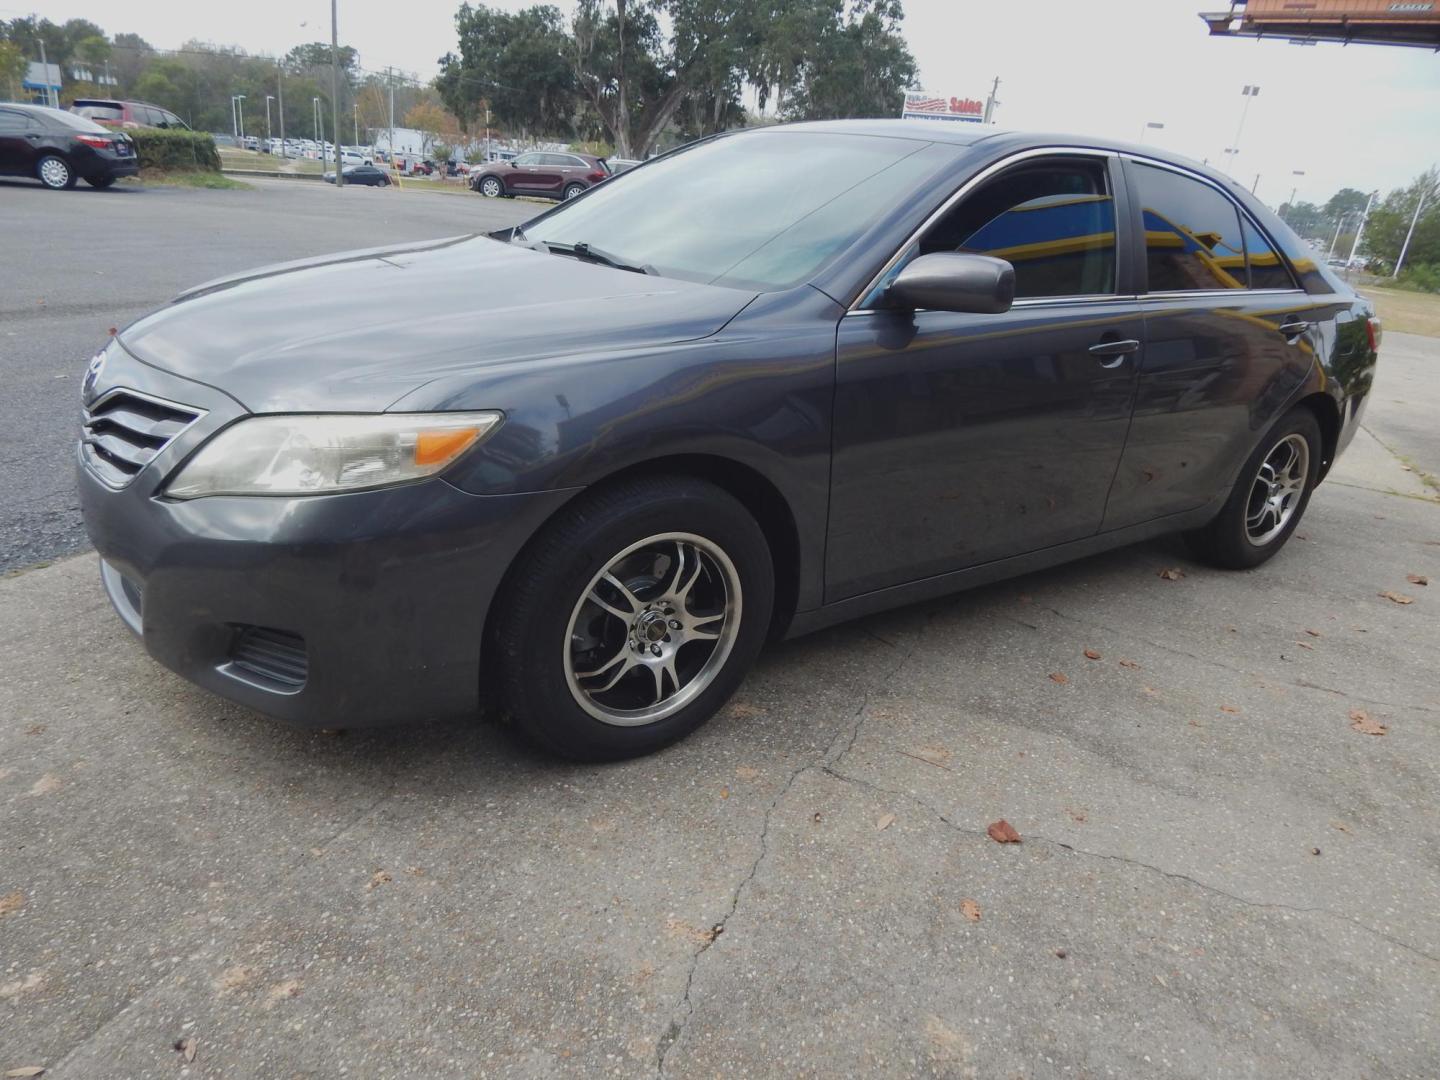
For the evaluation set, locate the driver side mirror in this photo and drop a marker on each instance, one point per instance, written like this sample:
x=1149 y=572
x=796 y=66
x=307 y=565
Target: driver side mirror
x=954 y=281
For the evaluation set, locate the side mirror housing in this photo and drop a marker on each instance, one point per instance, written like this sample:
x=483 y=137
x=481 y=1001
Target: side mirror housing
x=954 y=281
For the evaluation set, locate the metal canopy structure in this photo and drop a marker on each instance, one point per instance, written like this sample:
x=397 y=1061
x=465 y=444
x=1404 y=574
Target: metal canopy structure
x=1305 y=22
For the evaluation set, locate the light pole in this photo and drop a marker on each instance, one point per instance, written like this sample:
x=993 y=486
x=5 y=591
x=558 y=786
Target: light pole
x=268 y=98
x=1249 y=93
x=1150 y=125
x=1336 y=238
x=1293 y=191
x=1406 y=245
x=335 y=92
x=355 y=116
x=239 y=100
x=280 y=102
x=1354 y=247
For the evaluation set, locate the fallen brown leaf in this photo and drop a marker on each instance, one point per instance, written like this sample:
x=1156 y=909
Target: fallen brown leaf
x=816 y=817
x=282 y=991
x=1231 y=709
x=970 y=909
x=188 y=1048
x=1091 y=654
x=1304 y=645
x=1059 y=676
x=45 y=785
x=1129 y=664
x=11 y=902
x=380 y=877
x=1002 y=832
x=1360 y=720
x=745 y=772
x=1172 y=573
x=35 y=729
x=1313 y=633
x=935 y=755
x=1417 y=579
x=1399 y=598
x=1078 y=816
x=885 y=822
x=724 y=793
x=24 y=1071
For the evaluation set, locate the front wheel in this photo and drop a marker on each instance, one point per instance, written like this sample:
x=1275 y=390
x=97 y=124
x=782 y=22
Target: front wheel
x=55 y=172
x=491 y=187
x=1268 y=499
x=574 y=191
x=632 y=618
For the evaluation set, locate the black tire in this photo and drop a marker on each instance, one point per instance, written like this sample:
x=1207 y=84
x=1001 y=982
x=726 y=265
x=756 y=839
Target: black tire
x=529 y=645
x=55 y=173
x=573 y=191
x=1229 y=541
x=100 y=181
x=492 y=187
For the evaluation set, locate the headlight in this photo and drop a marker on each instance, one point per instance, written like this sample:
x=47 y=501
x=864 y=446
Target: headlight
x=313 y=455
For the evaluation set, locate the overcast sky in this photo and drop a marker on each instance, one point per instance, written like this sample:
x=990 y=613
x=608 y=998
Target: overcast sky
x=1360 y=116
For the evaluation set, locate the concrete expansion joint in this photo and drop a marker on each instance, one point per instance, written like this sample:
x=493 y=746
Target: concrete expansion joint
x=1138 y=863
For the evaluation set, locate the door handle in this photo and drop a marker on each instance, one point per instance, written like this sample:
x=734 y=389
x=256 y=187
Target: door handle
x=1111 y=354
x=1294 y=328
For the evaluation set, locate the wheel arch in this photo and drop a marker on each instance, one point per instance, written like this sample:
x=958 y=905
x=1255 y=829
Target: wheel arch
x=1327 y=415
x=752 y=488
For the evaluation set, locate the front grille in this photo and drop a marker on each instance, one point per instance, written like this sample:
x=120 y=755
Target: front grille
x=123 y=431
x=276 y=656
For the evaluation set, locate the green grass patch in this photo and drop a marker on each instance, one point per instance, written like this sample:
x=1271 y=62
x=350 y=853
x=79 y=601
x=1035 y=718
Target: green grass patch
x=191 y=178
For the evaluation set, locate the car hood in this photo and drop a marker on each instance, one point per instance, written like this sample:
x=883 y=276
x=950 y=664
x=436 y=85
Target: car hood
x=359 y=330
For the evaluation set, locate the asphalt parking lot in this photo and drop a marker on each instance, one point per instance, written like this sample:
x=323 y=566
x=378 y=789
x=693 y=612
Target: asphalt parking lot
x=1219 y=875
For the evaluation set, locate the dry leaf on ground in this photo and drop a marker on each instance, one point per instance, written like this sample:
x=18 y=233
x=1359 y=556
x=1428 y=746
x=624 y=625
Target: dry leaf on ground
x=1059 y=676
x=1002 y=832
x=885 y=822
x=745 y=772
x=970 y=909
x=1313 y=633
x=1172 y=573
x=1231 y=709
x=1129 y=664
x=935 y=755
x=1399 y=598
x=380 y=877
x=24 y=1071
x=1361 y=721
x=1091 y=654
x=11 y=902
x=1417 y=579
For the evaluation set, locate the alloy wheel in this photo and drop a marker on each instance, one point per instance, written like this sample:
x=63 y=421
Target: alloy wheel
x=1277 y=489
x=652 y=629
x=54 y=173
x=490 y=187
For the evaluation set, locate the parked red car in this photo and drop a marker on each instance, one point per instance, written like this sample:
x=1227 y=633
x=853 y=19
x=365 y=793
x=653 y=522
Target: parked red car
x=549 y=174
x=126 y=114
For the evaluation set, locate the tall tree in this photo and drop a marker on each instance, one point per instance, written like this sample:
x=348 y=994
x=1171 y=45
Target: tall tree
x=860 y=66
x=517 y=62
x=1390 y=221
x=13 y=66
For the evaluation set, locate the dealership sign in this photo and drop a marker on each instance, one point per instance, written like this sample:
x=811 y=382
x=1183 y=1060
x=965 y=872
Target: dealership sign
x=922 y=106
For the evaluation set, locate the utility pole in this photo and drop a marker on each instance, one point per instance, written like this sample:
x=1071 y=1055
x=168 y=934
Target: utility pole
x=1293 y=191
x=1249 y=93
x=991 y=102
x=1354 y=247
x=280 y=101
x=355 y=117
x=1336 y=238
x=45 y=71
x=390 y=149
x=335 y=93
x=268 y=140
x=1255 y=184
x=1406 y=246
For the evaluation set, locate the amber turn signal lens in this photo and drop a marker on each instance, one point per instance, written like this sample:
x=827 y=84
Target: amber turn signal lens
x=438 y=447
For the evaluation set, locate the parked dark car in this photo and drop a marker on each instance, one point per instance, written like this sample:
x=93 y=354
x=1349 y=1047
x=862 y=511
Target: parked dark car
x=627 y=444
x=365 y=175
x=552 y=175
x=126 y=114
x=57 y=148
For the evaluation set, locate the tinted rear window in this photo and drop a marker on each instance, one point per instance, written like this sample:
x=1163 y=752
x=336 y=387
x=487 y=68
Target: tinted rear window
x=99 y=110
x=70 y=120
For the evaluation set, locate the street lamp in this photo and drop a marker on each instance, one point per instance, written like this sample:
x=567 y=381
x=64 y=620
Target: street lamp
x=237 y=110
x=355 y=116
x=268 y=98
x=1406 y=245
x=319 y=127
x=1293 y=191
x=1249 y=93
x=1149 y=124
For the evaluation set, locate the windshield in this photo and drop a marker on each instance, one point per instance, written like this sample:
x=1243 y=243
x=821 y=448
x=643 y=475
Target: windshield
x=764 y=210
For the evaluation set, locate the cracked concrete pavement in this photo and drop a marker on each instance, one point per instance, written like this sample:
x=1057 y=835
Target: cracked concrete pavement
x=1218 y=875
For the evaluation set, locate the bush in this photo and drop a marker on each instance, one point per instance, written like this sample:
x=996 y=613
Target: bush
x=159 y=148
x=1425 y=278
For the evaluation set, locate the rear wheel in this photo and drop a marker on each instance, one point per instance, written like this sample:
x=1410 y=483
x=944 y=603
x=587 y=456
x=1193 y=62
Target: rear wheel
x=1269 y=498
x=573 y=191
x=55 y=172
x=100 y=181
x=491 y=187
x=632 y=618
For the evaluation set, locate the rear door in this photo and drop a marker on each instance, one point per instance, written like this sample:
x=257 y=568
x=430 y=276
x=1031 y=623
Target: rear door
x=1227 y=343
x=961 y=438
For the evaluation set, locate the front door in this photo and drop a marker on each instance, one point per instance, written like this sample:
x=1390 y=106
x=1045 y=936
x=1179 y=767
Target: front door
x=18 y=136
x=960 y=438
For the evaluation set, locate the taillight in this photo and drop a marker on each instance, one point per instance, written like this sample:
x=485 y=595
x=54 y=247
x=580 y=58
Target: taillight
x=595 y=177
x=98 y=142
x=1374 y=330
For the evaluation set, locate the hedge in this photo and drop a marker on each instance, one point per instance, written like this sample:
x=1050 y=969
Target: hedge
x=159 y=148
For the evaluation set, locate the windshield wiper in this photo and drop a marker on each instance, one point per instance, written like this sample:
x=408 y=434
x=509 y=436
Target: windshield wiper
x=587 y=253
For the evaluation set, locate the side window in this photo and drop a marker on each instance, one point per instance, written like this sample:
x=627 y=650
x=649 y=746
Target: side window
x=1192 y=233
x=1054 y=221
x=527 y=159
x=1267 y=269
x=12 y=123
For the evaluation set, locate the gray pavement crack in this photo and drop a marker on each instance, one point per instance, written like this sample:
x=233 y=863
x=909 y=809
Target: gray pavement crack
x=1139 y=864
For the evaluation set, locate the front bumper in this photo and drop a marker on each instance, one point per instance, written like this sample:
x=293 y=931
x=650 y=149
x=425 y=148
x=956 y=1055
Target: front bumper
x=385 y=592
